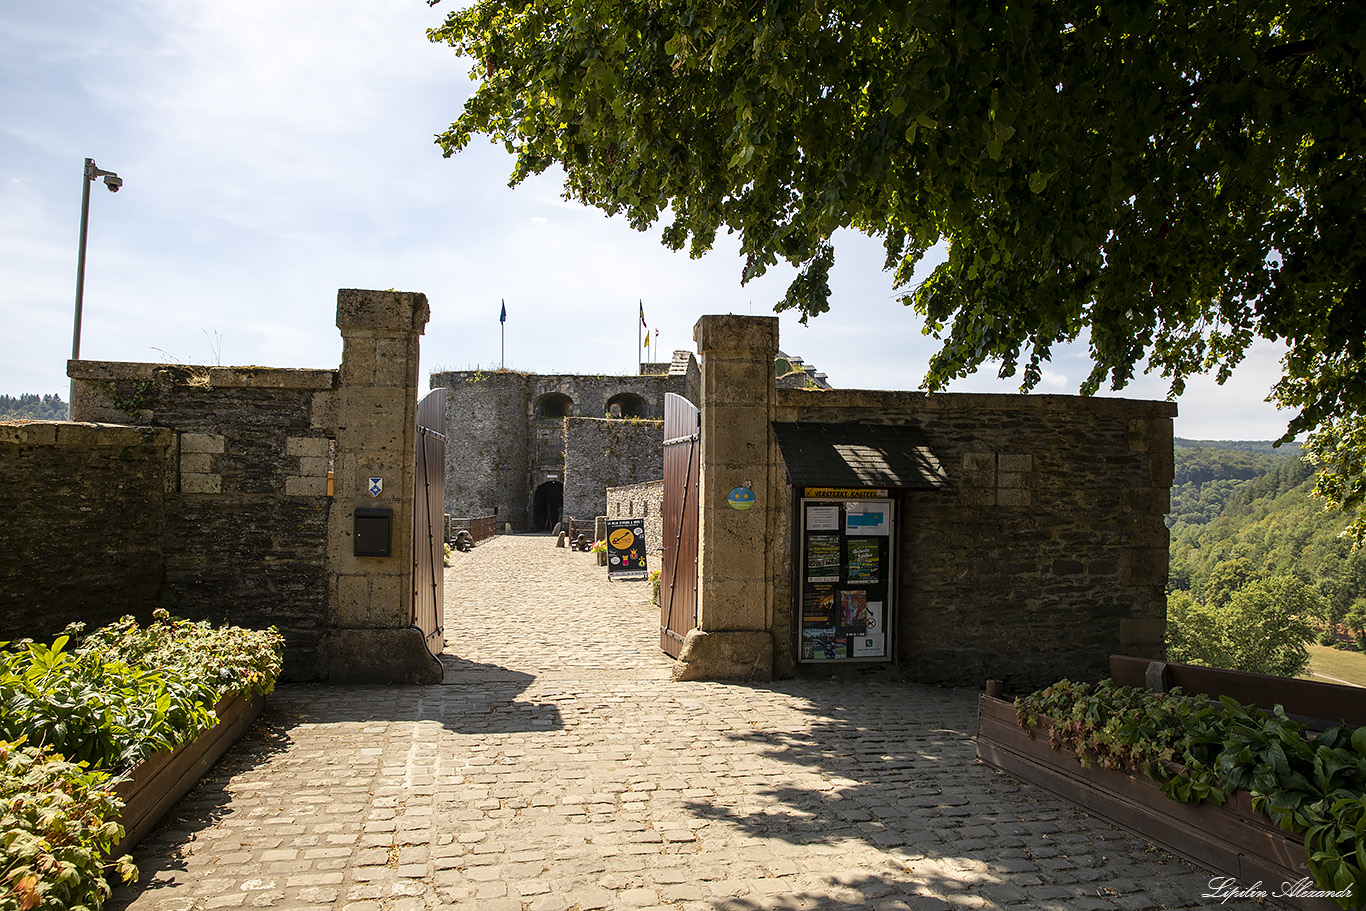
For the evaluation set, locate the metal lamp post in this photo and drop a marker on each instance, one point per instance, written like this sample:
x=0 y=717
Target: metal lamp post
x=113 y=182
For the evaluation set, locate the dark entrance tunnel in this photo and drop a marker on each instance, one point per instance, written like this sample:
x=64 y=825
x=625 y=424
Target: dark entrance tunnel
x=546 y=505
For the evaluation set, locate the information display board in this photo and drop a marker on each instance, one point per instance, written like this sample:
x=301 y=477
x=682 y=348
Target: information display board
x=847 y=585
x=626 y=549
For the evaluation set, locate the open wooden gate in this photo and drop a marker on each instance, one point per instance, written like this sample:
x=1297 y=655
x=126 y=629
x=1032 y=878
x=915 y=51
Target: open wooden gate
x=678 y=575
x=428 y=518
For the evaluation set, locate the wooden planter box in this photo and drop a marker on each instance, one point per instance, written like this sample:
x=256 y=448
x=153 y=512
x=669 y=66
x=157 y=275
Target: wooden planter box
x=156 y=785
x=1230 y=840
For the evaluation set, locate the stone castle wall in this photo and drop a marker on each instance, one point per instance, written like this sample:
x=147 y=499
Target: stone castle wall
x=602 y=453
x=506 y=437
x=85 y=521
x=1046 y=554
x=488 y=440
x=205 y=490
x=247 y=488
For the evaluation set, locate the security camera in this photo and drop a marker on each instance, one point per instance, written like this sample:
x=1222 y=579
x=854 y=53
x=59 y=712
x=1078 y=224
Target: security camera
x=113 y=182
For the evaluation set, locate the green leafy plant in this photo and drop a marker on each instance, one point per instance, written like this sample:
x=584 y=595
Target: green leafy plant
x=89 y=714
x=225 y=659
x=56 y=828
x=105 y=712
x=1309 y=785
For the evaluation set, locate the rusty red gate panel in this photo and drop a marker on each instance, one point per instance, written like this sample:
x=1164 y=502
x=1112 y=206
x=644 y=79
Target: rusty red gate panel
x=678 y=575
x=429 y=508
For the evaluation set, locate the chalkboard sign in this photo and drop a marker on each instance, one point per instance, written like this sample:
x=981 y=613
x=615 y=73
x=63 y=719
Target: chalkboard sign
x=626 y=549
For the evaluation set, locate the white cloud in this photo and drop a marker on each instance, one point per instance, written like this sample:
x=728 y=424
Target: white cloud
x=275 y=152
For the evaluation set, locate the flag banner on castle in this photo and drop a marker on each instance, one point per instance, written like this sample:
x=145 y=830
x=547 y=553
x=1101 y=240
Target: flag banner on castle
x=626 y=549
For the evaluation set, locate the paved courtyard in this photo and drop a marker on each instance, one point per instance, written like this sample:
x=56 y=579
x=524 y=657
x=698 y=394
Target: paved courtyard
x=558 y=768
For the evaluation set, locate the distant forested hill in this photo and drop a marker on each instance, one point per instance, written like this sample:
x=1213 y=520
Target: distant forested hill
x=32 y=407
x=1209 y=474
x=1249 y=501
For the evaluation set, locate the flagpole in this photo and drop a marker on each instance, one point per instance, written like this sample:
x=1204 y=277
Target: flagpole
x=640 y=322
x=503 y=336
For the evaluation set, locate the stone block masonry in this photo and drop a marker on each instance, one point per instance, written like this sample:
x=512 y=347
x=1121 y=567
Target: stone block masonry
x=600 y=453
x=243 y=528
x=83 y=533
x=215 y=503
x=512 y=435
x=1046 y=554
x=370 y=633
x=1039 y=553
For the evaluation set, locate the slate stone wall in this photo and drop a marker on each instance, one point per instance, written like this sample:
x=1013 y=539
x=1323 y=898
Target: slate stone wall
x=1046 y=554
x=506 y=437
x=487 y=439
x=84 y=524
x=644 y=501
x=602 y=453
x=242 y=519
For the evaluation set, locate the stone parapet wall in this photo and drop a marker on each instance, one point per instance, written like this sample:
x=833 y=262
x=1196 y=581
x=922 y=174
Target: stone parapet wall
x=488 y=439
x=1047 y=552
x=602 y=453
x=643 y=501
x=244 y=513
x=506 y=436
x=84 y=523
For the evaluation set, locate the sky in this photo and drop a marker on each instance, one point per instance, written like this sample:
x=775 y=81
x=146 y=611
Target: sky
x=275 y=152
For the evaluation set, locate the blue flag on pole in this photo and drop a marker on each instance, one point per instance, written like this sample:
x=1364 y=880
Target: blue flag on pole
x=503 y=317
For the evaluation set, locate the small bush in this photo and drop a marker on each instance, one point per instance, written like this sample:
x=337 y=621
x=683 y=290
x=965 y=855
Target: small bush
x=225 y=659
x=123 y=694
x=55 y=830
x=1312 y=785
x=109 y=714
x=127 y=692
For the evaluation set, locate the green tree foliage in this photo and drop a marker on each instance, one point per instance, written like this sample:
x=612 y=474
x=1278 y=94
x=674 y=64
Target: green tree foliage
x=1260 y=627
x=1339 y=448
x=1208 y=475
x=1168 y=179
x=1271 y=521
x=1355 y=620
x=30 y=407
x=1227 y=578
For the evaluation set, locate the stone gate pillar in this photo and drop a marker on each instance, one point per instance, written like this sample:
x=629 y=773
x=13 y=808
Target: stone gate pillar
x=732 y=640
x=371 y=638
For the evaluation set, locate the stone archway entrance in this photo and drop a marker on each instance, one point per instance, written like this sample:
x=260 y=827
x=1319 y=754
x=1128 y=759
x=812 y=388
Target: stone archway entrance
x=546 y=505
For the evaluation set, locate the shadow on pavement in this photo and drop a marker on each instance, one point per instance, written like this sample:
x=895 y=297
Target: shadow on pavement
x=473 y=698
x=870 y=769
x=160 y=857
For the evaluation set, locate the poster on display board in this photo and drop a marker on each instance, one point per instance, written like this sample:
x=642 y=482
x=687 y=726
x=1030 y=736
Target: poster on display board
x=847 y=583
x=626 y=549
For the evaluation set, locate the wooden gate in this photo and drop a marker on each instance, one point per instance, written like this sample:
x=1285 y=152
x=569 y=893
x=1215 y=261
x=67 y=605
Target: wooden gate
x=678 y=575
x=428 y=518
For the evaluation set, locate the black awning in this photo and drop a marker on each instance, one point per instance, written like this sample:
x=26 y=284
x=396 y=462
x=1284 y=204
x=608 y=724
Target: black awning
x=858 y=455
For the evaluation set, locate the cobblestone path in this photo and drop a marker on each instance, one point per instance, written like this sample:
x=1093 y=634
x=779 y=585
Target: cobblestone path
x=558 y=768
